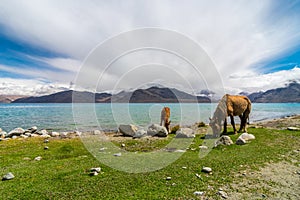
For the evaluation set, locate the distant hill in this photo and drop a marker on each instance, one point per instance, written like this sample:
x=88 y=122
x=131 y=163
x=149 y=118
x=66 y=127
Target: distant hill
x=10 y=98
x=150 y=95
x=288 y=94
x=67 y=97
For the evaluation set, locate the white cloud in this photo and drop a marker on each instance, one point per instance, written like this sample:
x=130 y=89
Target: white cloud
x=30 y=87
x=236 y=34
x=257 y=82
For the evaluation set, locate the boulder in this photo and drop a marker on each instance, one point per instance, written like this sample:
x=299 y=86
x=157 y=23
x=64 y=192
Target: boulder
x=140 y=133
x=3 y=134
x=16 y=132
x=224 y=140
x=32 y=129
x=43 y=132
x=128 y=129
x=157 y=130
x=240 y=141
x=8 y=176
x=247 y=136
x=54 y=134
x=185 y=133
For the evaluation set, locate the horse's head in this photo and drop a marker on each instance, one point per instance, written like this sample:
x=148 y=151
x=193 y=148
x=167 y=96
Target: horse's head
x=216 y=125
x=167 y=125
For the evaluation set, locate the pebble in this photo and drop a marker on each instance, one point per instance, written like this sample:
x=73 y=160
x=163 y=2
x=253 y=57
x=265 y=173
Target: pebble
x=202 y=147
x=123 y=145
x=168 y=178
x=198 y=176
x=117 y=154
x=223 y=194
x=46 y=147
x=102 y=149
x=206 y=169
x=94 y=173
x=38 y=158
x=198 y=193
x=184 y=167
x=46 y=141
x=8 y=176
x=95 y=169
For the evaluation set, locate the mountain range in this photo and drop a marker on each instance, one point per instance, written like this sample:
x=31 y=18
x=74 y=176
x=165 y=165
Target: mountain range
x=290 y=93
x=150 y=95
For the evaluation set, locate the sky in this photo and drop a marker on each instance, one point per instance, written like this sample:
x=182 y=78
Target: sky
x=237 y=45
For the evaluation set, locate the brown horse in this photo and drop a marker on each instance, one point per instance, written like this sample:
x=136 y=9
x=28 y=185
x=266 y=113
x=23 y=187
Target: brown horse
x=165 y=118
x=231 y=105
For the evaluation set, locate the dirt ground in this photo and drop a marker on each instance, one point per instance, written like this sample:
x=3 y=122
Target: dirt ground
x=281 y=180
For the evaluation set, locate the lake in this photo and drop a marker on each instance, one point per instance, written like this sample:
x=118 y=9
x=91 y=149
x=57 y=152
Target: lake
x=66 y=117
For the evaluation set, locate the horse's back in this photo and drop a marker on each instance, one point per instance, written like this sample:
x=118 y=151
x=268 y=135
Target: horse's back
x=237 y=105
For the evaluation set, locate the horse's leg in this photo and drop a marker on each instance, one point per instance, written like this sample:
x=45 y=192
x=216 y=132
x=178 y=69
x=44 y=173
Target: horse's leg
x=242 y=123
x=225 y=126
x=232 y=123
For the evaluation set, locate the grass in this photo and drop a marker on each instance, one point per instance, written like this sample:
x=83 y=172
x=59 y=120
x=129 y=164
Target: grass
x=63 y=172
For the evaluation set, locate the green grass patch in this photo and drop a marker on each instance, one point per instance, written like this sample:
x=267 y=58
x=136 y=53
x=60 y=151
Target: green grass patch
x=63 y=171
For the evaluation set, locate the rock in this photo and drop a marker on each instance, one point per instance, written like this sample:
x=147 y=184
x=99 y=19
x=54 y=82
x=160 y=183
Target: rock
x=128 y=130
x=198 y=193
x=96 y=132
x=3 y=134
x=184 y=167
x=28 y=134
x=14 y=137
x=123 y=145
x=185 y=133
x=206 y=169
x=32 y=129
x=157 y=130
x=291 y=128
x=42 y=132
x=140 y=133
x=224 y=140
x=95 y=169
x=45 y=136
x=55 y=134
x=24 y=136
x=46 y=147
x=94 y=173
x=240 y=141
x=174 y=129
x=46 y=141
x=78 y=133
x=169 y=178
x=202 y=147
x=64 y=134
x=223 y=194
x=8 y=176
x=16 y=132
x=198 y=176
x=118 y=154
x=34 y=135
x=247 y=136
x=38 y=158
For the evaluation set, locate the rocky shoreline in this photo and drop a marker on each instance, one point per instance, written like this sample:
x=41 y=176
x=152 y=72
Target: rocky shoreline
x=290 y=122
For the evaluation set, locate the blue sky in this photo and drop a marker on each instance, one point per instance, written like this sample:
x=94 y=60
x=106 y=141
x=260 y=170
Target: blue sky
x=254 y=45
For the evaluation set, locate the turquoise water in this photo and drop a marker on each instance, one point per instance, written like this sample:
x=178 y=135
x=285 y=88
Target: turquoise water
x=64 y=117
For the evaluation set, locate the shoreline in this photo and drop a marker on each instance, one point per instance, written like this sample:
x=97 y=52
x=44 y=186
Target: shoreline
x=276 y=123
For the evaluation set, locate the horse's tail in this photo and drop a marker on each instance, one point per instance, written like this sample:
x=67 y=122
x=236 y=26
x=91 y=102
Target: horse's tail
x=248 y=109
